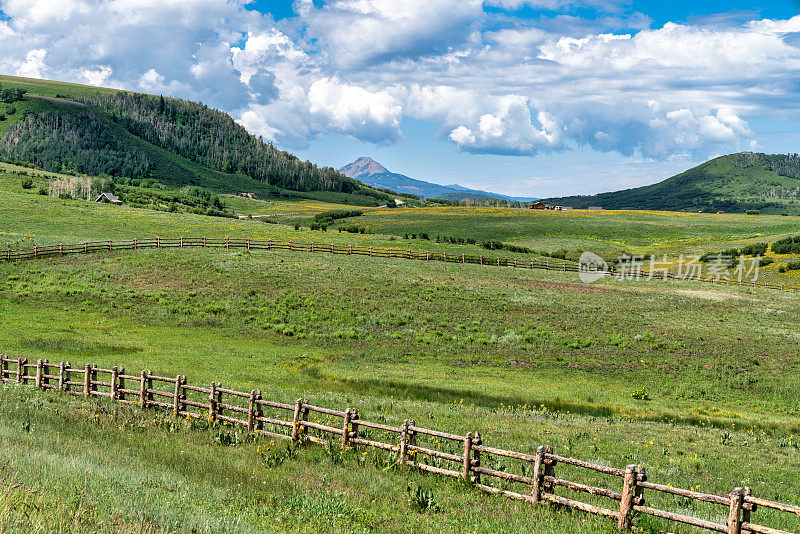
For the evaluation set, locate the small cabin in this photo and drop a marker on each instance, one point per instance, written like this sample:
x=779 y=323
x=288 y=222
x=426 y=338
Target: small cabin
x=248 y=195
x=539 y=206
x=595 y=208
x=108 y=197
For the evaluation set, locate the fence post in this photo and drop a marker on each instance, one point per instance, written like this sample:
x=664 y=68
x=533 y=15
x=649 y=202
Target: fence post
x=158 y=242
x=641 y=476
x=67 y=376
x=348 y=414
x=21 y=370
x=538 y=475
x=92 y=386
x=465 y=463
x=35 y=251
x=38 y=382
x=298 y=408
x=403 y=441
x=143 y=389
x=626 y=503
x=135 y=244
x=226 y=241
x=4 y=367
x=121 y=380
x=734 y=514
x=412 y=438
x=87 y=377
x=476 y=462
x=181 y=245
x=212 y=394
x=259 y=414
x=109 y=245
x=354 y=426
x=176 y=405
x=549 y=471
x=114 y=375
x=219 y=399
x=61 y=376
x=349 y=249
x=204 y=242
x=746 y=509
x=251 y=412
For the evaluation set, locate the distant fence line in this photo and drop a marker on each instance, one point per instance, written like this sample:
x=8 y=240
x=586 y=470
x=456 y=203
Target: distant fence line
x=469 y=459
x=38 y=251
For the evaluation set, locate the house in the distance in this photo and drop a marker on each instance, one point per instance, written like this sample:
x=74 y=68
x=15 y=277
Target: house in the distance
x=539 y=206
x=594 y=208
x=248 y=195
x=108 y=197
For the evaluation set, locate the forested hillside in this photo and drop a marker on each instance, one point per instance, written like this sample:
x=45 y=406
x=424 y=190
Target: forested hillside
x=737 y=182
x=78 y=129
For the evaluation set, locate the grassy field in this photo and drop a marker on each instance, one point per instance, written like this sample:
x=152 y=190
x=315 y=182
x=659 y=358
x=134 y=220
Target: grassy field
x=604 y=232
x=526 y=357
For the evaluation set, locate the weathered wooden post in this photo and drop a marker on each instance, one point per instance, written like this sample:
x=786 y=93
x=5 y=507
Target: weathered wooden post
x=626 y=503
x=92 y=385
x=476 y=462
x=114 y=375
x=212 y=397
x=61 y=376
x=403 y=442
x=412 y=438
x=3 y=368
x=538 y=475
x=298 y=408
x=87 y=378
x=21 y=370
x=259 y=414
x=354 y=427
x=121 y=381
x=348 y=414
x=735 y=511
x=67 y=376
x=219 y=399
x=38 y=381
x=181 y=243
x=251 y=412
x=143 y=390
x=549 y=470
x=176 y=402
x=109 y=245
x=746 y=509
x=466 y=467
x=641 y=476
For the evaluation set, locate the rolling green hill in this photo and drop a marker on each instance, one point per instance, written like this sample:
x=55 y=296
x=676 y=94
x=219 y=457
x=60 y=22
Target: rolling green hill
x=737 y=182
x=64 y=127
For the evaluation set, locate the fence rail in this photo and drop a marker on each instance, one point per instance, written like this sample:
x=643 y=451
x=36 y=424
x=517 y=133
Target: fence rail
x=462 y=457
x=40 y=251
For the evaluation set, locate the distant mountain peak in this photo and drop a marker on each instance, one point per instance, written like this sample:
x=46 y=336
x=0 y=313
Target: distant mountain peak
x=363 y=167
x=372 y=173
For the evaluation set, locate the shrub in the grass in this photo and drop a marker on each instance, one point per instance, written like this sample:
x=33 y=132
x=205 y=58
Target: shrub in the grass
x=27 y=183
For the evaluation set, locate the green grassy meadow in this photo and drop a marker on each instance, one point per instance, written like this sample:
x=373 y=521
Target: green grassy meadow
x=524 y=357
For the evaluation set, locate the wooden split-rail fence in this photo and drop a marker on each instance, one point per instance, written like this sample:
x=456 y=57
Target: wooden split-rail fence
x=41 y=251
x=462 y=457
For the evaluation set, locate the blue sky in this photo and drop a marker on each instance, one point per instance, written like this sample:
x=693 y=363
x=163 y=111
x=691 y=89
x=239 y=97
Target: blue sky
x=526 y=97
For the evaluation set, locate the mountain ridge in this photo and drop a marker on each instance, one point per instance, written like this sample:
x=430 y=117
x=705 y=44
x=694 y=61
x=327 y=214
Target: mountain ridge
x=736 y=182
x=65 y=127
x=375 y=174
